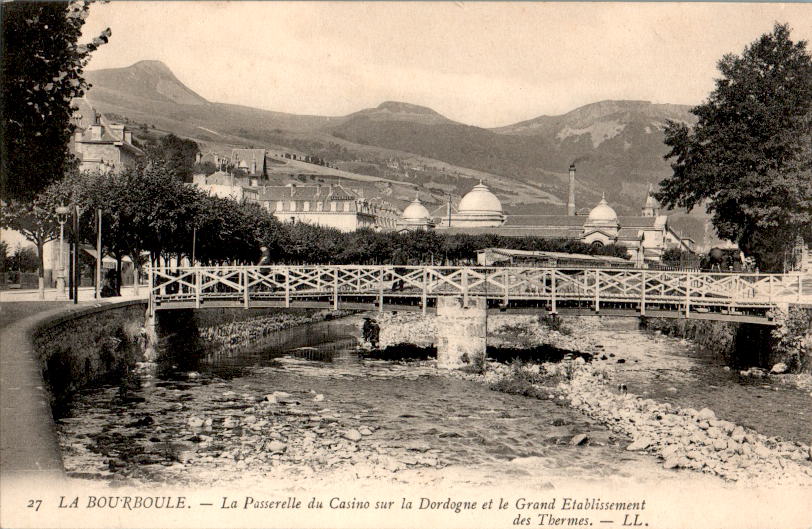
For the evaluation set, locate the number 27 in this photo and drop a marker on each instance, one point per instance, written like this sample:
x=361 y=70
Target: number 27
x=34 y=504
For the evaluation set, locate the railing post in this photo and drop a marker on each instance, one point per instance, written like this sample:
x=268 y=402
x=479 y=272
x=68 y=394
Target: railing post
x=643 y=293
x=425 y=289
x=465 y=287
x=554 y=293
x=687 y=294
x=380 y=289
x=335 y=288
x=506 y=286
x=597 y=290
x=771 y=277
x=287 y=287
x=198 y=288
x=800 y=286
x=245 y=287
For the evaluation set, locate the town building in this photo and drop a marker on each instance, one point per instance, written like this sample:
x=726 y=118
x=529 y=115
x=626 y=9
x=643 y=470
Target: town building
x=221 y=184
x=328 y=206
x=250 y=163
x=99 y=145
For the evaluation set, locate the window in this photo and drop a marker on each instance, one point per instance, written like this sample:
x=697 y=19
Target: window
x=320 y=206
x=280 y=206
x=333 y=206
x=293 y=205
x=306 y=205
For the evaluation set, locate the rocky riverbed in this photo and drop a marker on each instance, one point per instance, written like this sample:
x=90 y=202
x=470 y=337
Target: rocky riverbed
x=297 y=422
x=680 y=437
x=294 y=421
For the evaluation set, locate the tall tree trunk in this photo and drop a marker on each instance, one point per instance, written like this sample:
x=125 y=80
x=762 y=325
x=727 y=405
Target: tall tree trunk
x=41 y=270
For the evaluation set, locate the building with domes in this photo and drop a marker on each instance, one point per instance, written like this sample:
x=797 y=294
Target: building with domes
x=479 y=208
x=415 y=217
x=646 y=237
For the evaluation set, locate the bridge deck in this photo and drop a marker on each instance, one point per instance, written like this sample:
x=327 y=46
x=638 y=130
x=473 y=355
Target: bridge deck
x=720 y=296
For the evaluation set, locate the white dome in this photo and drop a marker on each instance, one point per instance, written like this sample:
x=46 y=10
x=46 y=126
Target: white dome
x=415 y=211
x=480 y=199
x=602 y=214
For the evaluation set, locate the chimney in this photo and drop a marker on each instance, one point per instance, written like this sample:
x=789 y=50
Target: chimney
x=571 y=199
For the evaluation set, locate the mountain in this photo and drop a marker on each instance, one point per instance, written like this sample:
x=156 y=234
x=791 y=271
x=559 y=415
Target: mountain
x=617 y=146
x=151 y=80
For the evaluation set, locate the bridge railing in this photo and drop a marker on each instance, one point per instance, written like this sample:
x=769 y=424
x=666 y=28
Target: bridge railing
x=685 y=288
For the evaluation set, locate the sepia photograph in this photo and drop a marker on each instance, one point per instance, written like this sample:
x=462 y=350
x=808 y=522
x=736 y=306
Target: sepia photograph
x=405 y=264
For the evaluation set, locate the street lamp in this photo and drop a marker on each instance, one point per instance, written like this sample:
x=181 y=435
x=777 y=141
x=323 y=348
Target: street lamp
x=61 y=217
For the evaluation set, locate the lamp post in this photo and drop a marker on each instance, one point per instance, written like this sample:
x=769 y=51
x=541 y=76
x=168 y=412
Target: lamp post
x=98 y=253
x=61 y=217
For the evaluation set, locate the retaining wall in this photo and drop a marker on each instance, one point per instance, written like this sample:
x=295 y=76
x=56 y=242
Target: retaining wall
x=45 y=358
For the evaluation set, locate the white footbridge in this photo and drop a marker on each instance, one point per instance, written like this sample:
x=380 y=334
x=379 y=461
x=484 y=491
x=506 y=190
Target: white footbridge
x=744 y=297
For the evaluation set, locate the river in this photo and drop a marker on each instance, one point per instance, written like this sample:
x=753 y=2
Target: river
x=306 y=406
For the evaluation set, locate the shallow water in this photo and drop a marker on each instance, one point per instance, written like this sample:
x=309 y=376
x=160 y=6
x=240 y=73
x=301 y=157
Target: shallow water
x=672 y=370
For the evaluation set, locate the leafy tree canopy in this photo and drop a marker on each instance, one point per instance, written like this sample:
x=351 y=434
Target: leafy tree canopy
x=42 y=66
x=749 y=157
x=176 y=154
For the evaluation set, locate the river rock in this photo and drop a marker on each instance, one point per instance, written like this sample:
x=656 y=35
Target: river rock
x=737 y=434
x=276 y=447
x=195 y=422
x=318 y=398
x=706 y=414
x=719 y=444
x=578 y=439
x=672 y=462
x=364 y=430
x=639 y=444
x=762 y=451
x=277 y=397
x=779 y=368
x=352 y=435
x=715 y=433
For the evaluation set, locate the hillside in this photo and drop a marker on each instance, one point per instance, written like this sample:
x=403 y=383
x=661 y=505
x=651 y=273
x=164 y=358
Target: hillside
x=617 y=146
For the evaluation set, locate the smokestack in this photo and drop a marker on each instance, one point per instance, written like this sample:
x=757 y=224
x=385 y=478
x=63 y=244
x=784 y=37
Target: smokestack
x=571 y=199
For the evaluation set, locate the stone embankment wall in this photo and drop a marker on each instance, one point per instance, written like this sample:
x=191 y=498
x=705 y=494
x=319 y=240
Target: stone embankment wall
x=88 y=346
x=186 y=337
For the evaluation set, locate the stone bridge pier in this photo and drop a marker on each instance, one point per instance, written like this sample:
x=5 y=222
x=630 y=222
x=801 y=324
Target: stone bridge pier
x=461 y=331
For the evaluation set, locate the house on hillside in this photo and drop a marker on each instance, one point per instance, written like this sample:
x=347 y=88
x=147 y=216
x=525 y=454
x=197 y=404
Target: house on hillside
x=250 y=162
x=100 y=145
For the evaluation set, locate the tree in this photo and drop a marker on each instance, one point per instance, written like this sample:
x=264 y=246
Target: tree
x=177 y=154
x=37 y=220
x=42 y=66
x=748 y=158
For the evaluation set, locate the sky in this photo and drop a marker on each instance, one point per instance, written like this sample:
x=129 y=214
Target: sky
x=484 y=64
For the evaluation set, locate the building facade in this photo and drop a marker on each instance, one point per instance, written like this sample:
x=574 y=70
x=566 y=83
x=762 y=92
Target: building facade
x=329 y=206
x=99 y=145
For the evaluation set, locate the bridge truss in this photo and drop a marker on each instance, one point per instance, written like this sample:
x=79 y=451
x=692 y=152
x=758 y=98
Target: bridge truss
x=732 y=296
